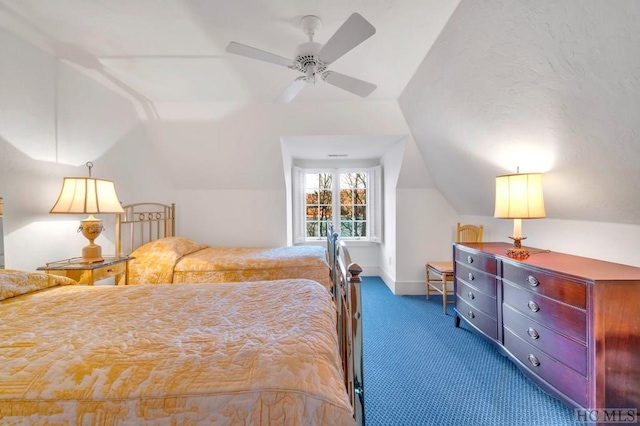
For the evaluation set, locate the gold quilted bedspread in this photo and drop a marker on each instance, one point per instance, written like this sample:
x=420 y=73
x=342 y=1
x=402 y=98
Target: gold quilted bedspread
x=179 y=260
x=260 y=353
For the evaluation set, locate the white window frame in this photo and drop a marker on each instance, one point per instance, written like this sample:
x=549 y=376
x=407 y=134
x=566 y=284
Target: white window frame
x=374 y=202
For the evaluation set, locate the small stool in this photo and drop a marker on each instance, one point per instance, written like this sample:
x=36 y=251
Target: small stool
x=438 y=275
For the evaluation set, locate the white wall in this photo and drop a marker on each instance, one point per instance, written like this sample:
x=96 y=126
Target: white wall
x=613 y=242
x=55 y=117
x=550 y=86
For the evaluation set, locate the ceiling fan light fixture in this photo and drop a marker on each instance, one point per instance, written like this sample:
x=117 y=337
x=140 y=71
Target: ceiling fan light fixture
x=311 y=73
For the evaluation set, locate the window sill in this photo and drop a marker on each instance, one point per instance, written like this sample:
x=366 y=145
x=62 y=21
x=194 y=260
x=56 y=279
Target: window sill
x=350 y=243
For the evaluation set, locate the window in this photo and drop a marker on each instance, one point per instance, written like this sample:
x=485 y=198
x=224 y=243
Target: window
x=347 y=200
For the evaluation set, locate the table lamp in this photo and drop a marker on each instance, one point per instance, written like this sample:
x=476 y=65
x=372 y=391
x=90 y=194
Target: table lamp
x=88 y=196
x=519 y=196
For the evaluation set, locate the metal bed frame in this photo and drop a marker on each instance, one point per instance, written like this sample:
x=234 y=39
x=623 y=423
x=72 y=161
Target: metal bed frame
x=348 y=297
x=142 y=223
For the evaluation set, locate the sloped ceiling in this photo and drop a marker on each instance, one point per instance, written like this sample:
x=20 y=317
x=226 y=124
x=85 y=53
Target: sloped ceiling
x=174 y=50
x=168 y=57
x=548 y=86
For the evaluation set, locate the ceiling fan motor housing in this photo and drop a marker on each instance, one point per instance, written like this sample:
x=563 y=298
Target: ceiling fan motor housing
x=307 y=62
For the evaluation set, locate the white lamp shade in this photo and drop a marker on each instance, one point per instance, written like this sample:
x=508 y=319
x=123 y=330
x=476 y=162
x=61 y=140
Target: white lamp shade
x=87 y=195
x=519 y=196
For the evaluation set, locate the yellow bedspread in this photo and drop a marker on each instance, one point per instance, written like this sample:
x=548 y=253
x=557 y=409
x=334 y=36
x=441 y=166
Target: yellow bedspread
x=261 y=353
x=180 y=260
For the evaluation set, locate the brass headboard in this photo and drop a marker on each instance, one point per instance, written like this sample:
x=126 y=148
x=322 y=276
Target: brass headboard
x=142 y=223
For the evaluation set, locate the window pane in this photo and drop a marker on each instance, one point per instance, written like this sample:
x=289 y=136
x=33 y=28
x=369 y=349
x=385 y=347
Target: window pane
x=324 y=228
x=325 y=197
x=346 y=229
x=353 y=204
x=311 y=197
x=312 y=229
x=325 y=212
x=325 y=181
x=312 y=213
x=346 y=212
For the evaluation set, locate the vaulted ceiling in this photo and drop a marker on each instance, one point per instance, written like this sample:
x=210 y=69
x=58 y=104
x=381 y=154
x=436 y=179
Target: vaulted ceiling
x=174 y=50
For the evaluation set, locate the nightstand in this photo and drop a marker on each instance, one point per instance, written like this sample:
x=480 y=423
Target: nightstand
x=89 y=273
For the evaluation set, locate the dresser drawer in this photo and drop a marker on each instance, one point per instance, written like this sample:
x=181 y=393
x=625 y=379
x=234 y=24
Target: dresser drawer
x=562 y=318
x=483 y=281
x=556 y=374
x=561 y=348
x=477 y=299
x=479 y=261
x=553 y=286
x=482 y=321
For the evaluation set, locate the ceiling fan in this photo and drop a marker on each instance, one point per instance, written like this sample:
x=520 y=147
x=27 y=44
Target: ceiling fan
x=313 y=59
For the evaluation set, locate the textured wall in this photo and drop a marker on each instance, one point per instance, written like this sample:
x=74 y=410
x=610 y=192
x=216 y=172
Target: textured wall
x=551 y=86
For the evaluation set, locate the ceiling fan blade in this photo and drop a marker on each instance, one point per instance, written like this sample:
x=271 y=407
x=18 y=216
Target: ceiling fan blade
x=350 y=84
x=292 y=90
x=354 y=31
x=252 y=52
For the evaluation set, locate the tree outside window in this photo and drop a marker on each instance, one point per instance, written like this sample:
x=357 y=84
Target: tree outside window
x=319 y=203
x=350 y=201
x=353 y=205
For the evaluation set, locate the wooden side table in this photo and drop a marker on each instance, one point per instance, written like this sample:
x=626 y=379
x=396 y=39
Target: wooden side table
x=89 y=273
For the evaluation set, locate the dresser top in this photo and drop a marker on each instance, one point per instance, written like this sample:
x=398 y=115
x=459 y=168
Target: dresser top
x=583 y=267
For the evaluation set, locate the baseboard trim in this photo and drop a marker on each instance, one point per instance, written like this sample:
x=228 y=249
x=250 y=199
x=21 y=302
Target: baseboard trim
x=405 y=288
x=409 y=288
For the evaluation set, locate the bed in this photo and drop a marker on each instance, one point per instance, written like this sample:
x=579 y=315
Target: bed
x=146 y=231
x=268 y=352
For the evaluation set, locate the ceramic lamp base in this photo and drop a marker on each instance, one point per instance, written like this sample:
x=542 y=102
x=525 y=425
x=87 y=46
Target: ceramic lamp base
x=517 y=251
x=91 y=228
x=92 y=254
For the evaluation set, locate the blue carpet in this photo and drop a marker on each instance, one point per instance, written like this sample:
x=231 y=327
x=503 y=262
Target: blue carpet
x=421 y=370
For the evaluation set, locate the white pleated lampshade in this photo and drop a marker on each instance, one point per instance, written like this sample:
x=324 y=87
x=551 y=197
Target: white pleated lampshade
x=519 y=196
x=87 y=195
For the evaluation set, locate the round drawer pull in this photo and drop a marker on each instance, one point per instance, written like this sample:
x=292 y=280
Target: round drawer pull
x=533 y=281
x=533 y=360
x=471 y=277
x=471 y=295
x=533 y=306
x=469 y=259
x=472 y=315
x=533 y=333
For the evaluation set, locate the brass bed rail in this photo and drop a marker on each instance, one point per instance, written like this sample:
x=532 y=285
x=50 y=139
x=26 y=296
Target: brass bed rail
x=142 y=223
x=348 y=298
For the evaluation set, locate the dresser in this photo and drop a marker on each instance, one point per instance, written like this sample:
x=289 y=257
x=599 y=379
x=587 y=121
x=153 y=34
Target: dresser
x=571 y=324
